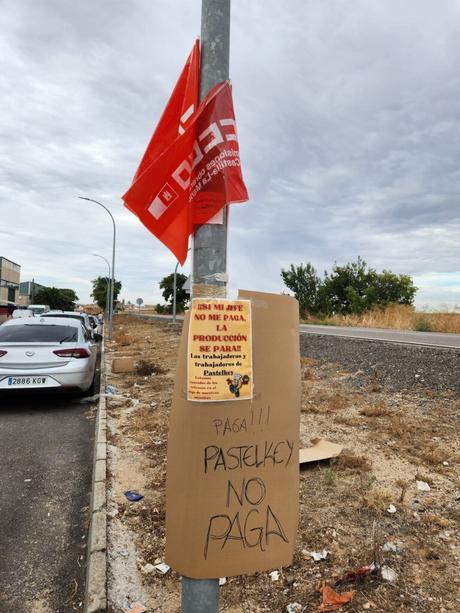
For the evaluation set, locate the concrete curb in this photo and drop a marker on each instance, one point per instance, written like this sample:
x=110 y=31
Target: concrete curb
x=96 y=574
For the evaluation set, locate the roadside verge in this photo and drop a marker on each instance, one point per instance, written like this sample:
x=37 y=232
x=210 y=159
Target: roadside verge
x=96 y=576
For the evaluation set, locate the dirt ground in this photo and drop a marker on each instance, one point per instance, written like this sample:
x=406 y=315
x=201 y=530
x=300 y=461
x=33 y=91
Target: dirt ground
x=392 y=440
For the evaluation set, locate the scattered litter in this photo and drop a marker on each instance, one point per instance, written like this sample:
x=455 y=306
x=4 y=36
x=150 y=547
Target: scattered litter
x=388 y=574
x=89 y=399
x=222 y=581
x=394 y=547
x=359 y=573
x=317 y=556
x=294 y=607
x=133 y=496
x=445 y=463
x=369 y=605
x=111 y=390
x=321 y=450
x=332 y=600
x=27 y=480
x=148 y=568
x=274 y=575
x=162 y=568
x=135 y=607
x=391 y=509
x=423 y=486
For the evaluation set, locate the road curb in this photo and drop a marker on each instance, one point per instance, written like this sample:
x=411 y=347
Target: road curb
x=96 y=574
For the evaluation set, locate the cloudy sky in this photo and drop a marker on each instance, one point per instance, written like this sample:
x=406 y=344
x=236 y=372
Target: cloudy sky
x=348 y=117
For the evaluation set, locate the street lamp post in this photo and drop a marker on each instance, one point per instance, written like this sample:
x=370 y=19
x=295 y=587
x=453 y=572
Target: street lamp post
x=175 y=294
x=107 y=299
x=112 y=283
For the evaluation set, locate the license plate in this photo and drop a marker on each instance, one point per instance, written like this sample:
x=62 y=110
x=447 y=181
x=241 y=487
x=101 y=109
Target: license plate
x=24 y=382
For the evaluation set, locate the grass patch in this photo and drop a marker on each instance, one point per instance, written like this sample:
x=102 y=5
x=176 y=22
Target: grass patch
x=379 y=409
x=421 y=324
x=351 y=462
x=146 y=368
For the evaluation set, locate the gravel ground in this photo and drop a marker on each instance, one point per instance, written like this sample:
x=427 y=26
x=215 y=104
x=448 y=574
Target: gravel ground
x=398 y=367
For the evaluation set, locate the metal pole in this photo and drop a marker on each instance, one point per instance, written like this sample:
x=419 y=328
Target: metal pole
x=209 y=269
x=210 y=240
x=175 y=293
x=107 y=298
x=112 y=283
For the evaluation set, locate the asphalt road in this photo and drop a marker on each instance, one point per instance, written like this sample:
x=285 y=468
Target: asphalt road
x=428 y=339
x=431 y=339
x=46 y=447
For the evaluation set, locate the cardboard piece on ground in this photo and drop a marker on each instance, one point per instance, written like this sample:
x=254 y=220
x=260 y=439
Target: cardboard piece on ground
x=120 y=365
x=232 y=472
x=321 y=450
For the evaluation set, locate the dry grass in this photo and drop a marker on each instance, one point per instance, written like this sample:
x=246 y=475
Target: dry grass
x=347 y=460
x=379 y=409
x=400 y=317
x=390 y=440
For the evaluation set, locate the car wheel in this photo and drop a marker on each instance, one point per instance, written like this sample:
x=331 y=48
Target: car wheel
x=92 y=388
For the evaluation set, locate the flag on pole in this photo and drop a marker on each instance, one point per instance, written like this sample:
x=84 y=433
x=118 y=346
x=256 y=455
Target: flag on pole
x=184 y=180
x=179 y=110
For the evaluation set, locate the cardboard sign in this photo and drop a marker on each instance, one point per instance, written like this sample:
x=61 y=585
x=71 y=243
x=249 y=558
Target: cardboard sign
x=219 y=355
x=233 y=467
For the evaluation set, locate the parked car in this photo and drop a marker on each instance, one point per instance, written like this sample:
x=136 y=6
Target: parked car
x=82 y=317
x=38 y=309
x=94 y=321
x=46 y=353
x=22 y=313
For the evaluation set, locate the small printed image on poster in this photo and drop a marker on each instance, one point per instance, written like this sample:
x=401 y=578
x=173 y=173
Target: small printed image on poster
x=219 y=358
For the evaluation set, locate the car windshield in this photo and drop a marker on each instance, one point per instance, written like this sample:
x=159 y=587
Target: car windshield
x=38 y=334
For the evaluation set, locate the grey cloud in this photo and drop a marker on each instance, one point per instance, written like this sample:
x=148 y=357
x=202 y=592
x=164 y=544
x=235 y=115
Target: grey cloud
x=348 y=122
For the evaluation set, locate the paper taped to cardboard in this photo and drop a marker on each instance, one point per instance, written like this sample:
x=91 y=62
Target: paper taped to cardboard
x=219 y=352
x=232 y=467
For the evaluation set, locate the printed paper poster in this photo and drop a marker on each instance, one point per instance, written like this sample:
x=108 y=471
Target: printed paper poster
x=219 y=362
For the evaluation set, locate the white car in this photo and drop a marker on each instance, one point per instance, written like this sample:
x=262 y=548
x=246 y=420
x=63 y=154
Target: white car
x=46 y=353
x=82 y=317
x=22 y=313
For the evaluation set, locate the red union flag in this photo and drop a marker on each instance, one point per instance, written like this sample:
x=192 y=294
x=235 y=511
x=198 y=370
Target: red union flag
x=194 y=177
x=179 y=110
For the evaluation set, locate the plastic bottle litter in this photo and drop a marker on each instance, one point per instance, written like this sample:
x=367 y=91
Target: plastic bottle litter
x=317 y=556
x=133 y=496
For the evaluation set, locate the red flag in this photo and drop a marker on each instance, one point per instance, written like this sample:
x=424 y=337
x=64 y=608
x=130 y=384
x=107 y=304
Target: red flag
x=196 y=176
x=178 y=112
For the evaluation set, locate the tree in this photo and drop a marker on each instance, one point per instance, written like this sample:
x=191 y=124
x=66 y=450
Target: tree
x=350 y=288
x=305 y=284
x=56 y=298
x=99 y=292
x=353 y=288
x=167 y=285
